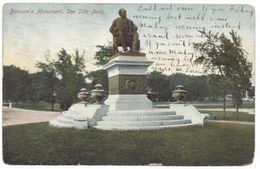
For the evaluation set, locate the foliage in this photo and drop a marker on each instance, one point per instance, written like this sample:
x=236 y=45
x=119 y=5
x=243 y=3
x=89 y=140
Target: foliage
x=226 y=56
x=43 y=86
x=99 y=76
x=19 y=85
x=104 y=54
x=159 y=83
x=214 y=144
x=198 y=87
x=40 y=105
x=70 y=68
x=251 y=91
x=208 y=104
x=16 y=84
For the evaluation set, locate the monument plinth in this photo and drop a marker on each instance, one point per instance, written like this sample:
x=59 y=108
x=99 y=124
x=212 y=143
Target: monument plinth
x=127 y=82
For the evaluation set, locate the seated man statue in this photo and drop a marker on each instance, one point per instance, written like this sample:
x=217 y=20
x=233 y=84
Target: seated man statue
x=124 y=33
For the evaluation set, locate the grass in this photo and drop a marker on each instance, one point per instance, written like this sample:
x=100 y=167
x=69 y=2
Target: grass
x=242 y=116
x=201 y=105
x=246 y=104
x=36 y=106
x=214 y=144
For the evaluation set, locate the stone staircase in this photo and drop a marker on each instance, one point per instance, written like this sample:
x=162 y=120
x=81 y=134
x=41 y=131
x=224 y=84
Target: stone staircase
x=68 y=119
x=142 y=119
x=99 y=116
x=80 y=116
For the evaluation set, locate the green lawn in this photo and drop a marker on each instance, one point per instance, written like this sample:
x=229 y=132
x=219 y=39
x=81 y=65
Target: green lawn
x=205 y=105
x=36 y=106
x=214 y=144
x=242 y=116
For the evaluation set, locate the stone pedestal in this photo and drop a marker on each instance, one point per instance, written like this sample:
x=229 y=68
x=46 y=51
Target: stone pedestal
x=127 y=83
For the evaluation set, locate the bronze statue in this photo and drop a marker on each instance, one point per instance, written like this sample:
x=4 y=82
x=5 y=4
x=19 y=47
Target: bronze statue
x=124 y=33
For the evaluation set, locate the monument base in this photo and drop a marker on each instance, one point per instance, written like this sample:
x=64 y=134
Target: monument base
x=129 y=107
x=129 y=102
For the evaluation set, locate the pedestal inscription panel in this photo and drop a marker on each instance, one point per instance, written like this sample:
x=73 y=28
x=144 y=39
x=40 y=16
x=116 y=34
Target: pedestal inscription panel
x=127 y=84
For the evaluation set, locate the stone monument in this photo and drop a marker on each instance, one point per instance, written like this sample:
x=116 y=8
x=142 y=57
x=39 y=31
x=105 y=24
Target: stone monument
x=128 y=70
x=127 y=106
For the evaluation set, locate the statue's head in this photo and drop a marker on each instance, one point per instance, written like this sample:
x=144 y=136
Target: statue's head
x=122 y=12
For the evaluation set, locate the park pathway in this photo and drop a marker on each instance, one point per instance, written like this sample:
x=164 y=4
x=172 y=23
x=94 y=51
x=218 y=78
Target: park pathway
x=232 y=122
x=15 y=116
x=246 y=110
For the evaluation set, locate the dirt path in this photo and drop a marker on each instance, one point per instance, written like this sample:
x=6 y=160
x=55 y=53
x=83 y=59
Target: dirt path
x=14 y=116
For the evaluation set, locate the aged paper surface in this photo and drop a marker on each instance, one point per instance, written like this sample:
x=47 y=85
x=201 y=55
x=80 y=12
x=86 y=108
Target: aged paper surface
x=32 y=32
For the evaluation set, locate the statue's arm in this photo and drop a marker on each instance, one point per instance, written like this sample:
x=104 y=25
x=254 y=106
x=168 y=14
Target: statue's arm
x=133 y=26
x=113 y=28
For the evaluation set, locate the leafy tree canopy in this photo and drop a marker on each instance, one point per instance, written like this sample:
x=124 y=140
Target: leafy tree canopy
x=103 y=55
x=226 y=56
x=69 y=68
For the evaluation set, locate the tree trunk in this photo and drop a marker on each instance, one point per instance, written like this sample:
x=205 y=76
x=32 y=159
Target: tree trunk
x=237 y=109
x=52 y=106
x=224 y=105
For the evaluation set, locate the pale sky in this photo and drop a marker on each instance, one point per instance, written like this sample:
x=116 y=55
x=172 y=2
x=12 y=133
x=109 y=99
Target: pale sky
x=28 y=35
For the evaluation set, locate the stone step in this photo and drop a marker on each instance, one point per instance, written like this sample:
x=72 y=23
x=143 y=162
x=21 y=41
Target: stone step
x=143 y=127
x=66 y=120
x=141 y=118
x=71 y=113
x=69 y=116
x=56 y=123
x=143 y=123
x=68 y=123
x=141 y=113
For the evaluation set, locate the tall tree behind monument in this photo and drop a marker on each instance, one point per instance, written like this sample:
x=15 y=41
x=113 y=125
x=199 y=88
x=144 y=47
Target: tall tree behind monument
x=70 y=68
x=226 y=56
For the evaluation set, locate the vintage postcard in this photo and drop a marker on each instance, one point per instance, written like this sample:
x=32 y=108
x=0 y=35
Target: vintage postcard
x=128 y=84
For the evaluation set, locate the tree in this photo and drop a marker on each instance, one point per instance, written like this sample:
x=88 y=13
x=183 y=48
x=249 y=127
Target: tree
x=198 y=87
x=218 y=86
x=159 y=83
x=99 y=76
x=69 y=68
x=16 y=84
x=103 y=55
x=225 y=56
x=251 y=92
x=43 y=86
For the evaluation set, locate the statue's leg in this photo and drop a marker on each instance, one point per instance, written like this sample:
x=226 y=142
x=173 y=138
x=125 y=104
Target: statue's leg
x=122 y=40
x=135 y=42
